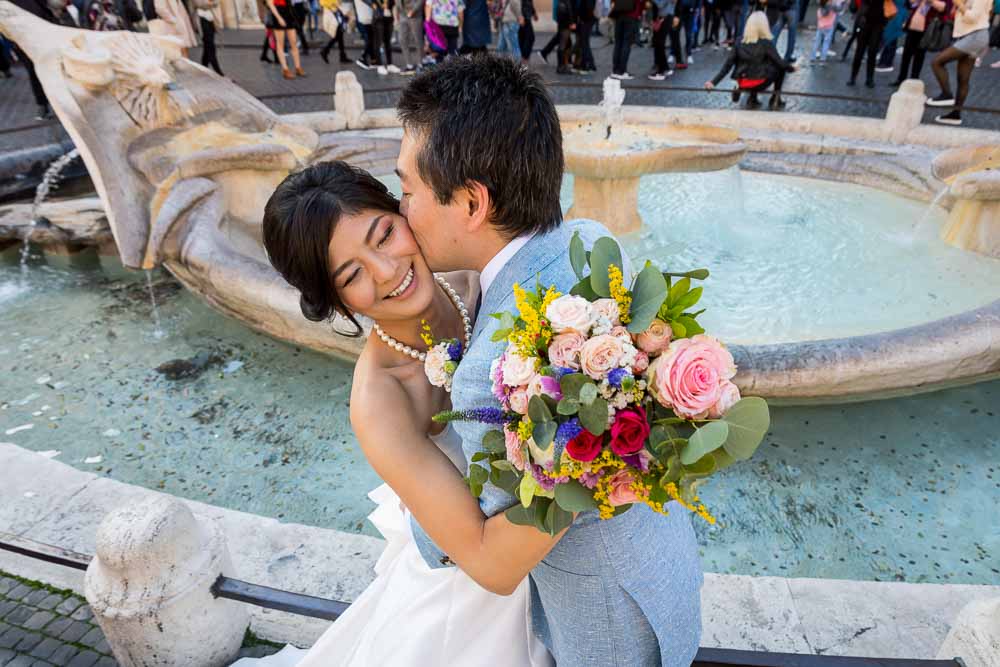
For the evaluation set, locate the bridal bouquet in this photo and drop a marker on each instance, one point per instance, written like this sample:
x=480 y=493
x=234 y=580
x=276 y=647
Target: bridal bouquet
x=639 y=399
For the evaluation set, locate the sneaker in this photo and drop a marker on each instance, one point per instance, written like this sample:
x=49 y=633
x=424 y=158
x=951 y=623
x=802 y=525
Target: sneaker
x=382 y=70
x=393 y=69
x=690 y=60
x=941 y=100
x=615 y=75
x=44 y=113
x=995 y=65
x=363 y=63
x=954 y=117
x=325 y=55
x=658 y=76
x=625 y=76
x=830 y=53
x=884 y=69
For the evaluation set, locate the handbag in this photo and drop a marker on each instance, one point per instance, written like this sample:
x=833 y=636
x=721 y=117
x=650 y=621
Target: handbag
x=889 y=9
x=937 y=36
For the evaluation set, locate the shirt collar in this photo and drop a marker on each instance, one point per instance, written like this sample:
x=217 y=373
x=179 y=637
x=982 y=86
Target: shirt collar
x=493 y=267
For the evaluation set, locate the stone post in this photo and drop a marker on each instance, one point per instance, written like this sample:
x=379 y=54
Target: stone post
x=975 y=635
x=906 y=110
x=349 y=98
x=149 y=587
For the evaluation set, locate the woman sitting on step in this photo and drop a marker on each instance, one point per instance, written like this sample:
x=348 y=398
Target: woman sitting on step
x=756 y=64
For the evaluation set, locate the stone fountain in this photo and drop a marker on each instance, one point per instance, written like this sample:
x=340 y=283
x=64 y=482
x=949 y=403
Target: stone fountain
x=608 y=157
x=973 y=178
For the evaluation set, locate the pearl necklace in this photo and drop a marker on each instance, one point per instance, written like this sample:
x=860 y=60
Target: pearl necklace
x=421 y=356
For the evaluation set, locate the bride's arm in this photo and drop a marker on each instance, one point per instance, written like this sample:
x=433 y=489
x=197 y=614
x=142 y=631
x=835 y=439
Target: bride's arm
x=496 y=553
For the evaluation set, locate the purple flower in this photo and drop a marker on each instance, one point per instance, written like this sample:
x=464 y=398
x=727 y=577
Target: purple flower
x=616 y=376
x=546 y=483
x=482 y=415
x=640 y=460
x=455 y=351
x=559 y=372
x=590 y=479
x=567 y=431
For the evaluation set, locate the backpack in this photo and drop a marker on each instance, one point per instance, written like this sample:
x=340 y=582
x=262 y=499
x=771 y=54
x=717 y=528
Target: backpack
x=497 y=8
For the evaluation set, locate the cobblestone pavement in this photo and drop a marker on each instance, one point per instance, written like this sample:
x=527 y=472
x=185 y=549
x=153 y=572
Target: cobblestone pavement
x=815 y=88
x=42 y=626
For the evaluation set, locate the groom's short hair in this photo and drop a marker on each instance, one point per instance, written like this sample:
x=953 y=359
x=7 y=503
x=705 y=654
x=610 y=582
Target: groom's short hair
x=490 y=120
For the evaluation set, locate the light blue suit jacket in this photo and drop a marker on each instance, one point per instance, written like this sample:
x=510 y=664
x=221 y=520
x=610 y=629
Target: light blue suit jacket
x=620 y=592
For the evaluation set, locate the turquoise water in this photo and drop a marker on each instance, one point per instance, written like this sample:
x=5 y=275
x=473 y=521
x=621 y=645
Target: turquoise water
x=904 y=489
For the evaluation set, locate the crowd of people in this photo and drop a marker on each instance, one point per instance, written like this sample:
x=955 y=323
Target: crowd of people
x=424 y=32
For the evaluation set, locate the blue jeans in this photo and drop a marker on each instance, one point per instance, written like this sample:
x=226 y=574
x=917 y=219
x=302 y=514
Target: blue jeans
x=787 y=19
x=507 y=40
x=822 y=43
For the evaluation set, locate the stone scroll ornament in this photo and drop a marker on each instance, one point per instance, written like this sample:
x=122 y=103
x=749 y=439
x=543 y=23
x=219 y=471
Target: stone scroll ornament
x=183 y=161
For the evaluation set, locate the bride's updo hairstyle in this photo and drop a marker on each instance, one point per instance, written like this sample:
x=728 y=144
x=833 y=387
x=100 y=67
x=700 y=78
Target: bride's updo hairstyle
x=299 y=220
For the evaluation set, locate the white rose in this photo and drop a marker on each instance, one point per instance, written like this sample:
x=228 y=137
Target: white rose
x=517 y=369
x=570 y=313
x=608 y=308
x=434 y=366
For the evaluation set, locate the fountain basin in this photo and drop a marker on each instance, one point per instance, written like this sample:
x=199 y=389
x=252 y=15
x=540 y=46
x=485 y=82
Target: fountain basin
x=607 y=162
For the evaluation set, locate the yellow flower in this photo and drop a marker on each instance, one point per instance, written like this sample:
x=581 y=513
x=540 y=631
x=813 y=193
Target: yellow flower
x=536 y=331
x=619 y=293
x=524 y=429
x=425 y=333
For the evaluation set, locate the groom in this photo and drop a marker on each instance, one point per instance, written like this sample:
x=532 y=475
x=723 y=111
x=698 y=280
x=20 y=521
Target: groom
x=481 y=165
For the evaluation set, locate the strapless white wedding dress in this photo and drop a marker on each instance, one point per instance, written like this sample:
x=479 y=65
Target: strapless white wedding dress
x=412 y=615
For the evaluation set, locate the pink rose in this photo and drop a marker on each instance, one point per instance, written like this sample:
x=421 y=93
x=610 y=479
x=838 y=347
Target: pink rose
x=641 y=362
x=515 y=452
x=621 y=333
x=570 y=313
x=689 y=377
x=517 y=369
x=607 y=308
x=728 y=397
x=599 y=355
x=543 y=385
x=655 y=338
x=519 y=400
x=629 y=432
x=564 y=350
x=621 y=491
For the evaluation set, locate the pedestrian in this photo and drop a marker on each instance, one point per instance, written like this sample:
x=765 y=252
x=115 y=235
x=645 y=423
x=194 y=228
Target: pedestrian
x=282 y=22
x=365 y=19
x=446 y=18
x=755 y=64
x=583 y=57
x=666 y=24
x=784 y=14
x=476 y=30
x=411 y=33
x=688 y=12
x=42 y=10
x=565 y=11
x=209 y=15
x=335 y=23
x=507 y=18
x=890 y=36
x=626 y=14
x=300 y=10
x=526 y=33
x=922 y=12
x=172 y=20
x=382 y=23
x=870 y=24
x=972 y=39
x=826 y=24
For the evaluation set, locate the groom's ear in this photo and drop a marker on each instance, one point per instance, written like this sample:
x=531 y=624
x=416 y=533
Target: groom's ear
x=478 y=204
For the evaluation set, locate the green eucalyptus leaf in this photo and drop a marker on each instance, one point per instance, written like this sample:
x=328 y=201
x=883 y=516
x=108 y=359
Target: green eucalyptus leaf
x=543 y=433
x=674 y=471
x=541 y=506
x=575 y=497
x=500 y=335
x=594 y=417
x=679 y=289
x=557 y=519
x=494 y=442
x=584 y=289
x=648 y=294
x=722 y=458
x=703 y=467
x=502 y=464
x=521 y=516
x=538 y=411
x=526 y=491
x=588 y=393
x=706 y=439
x=748 y=422
x=697 y=274
x=669 y=421
x=577 y=255
x=604 y=253
x=568 y=406
x=571 y=384
x=479 y=456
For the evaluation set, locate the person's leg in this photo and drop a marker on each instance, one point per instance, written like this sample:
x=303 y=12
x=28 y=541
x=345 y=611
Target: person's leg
x=616 y=58
x=659 y=48
x=791 y=17
x=406 y=45
x=293 y=42
x=817 y=45
x=874 y=39
x=525 y=40
x=938 y=66
x=887 y=54
x=587 y=53
x=550 y=45
x=863 y=36
x=965 y=68
x=279 y=49
x=855 y=31
x=918 y=60
x=631 y=32
x=387 y=22
x=36 y=86
x=827 y=42
x=299 y=11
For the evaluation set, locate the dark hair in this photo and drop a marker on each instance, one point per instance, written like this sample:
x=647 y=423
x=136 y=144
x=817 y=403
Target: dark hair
x=490 y=120
x=299 y=220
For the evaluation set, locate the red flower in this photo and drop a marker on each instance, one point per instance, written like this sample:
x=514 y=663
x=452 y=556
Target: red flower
x=629 y=432
x=585 y=446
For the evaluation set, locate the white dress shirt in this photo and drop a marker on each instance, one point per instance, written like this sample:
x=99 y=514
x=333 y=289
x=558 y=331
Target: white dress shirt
x=493 y=267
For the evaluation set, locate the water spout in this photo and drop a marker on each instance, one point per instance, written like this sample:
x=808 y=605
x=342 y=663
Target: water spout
x=611 y=103
x=50 y=181
x=158 y=332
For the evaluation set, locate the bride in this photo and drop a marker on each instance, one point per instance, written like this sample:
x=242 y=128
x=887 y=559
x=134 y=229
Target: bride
x=335 y=233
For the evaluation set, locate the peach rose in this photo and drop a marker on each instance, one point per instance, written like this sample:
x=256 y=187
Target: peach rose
x=729 y=396
x=599 y=355
x=621 y=491
x=689 y=377
x=517 y=369
x=655 y=338
x=570 y=313
x=515 y=452
x=621 y=333
x=519 y=400
x=641 y=362
x=607 y=308
x=564 y=350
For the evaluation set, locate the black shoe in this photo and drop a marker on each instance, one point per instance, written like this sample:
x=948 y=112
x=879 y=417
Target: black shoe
x=776 y=103
x=852 y=82
x=941 y=100
x=562 y=69
x=737 y=93
x=753 y=102
x=265 y=59
x=325 y=55
x=344 y=59
x=44 y=113
x=869 y=83
x=954 y=117
x=545 y=56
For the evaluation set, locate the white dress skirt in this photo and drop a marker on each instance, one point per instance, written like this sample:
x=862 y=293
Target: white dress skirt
x=414 y=615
